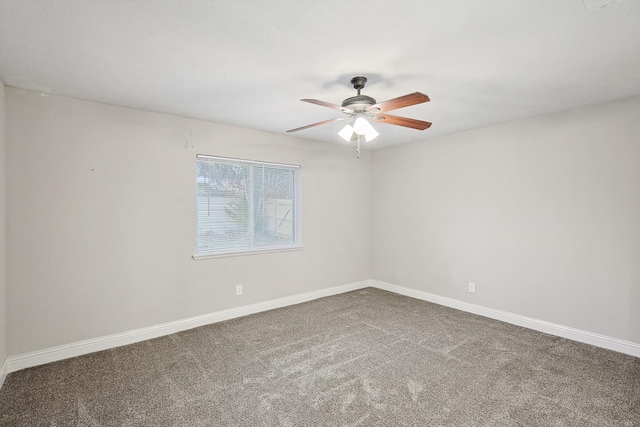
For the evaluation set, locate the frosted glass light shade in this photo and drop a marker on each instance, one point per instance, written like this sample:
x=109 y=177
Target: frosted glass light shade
x=346 y=133
x=363 y=127
x=370 y=134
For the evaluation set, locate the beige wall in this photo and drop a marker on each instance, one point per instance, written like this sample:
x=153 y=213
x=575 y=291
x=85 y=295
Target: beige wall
x=3 y=233
x=101 y=211
x=542 y=214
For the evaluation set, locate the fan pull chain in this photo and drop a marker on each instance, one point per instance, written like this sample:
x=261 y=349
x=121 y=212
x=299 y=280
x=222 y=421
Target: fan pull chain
x=358 y=146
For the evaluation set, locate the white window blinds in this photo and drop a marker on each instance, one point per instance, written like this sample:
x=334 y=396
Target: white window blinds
x=246 y=206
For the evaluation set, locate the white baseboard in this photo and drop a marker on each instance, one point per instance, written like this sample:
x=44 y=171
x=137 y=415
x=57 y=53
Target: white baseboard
x=53 y=354
x=4 y=371
x=598 y=340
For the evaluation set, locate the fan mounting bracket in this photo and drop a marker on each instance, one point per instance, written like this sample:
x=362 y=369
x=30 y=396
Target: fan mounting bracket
x=358 y=83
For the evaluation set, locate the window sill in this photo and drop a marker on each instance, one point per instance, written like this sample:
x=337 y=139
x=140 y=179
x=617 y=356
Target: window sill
x=197 y=257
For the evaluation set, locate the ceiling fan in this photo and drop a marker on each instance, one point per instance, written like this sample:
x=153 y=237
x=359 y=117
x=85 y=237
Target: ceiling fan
x=360 y=107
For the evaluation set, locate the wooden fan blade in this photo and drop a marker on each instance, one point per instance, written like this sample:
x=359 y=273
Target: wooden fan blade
x=400 y=102
x=328 y=104
x=337 y=119
x=401 y=121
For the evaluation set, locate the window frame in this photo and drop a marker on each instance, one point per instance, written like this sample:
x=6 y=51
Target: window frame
x=296 y=208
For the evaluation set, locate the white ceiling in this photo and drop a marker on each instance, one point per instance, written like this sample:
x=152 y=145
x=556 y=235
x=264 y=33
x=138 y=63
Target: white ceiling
x=247 y=63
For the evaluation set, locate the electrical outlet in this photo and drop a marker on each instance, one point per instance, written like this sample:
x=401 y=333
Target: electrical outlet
x=239 y=290
x=472 y=287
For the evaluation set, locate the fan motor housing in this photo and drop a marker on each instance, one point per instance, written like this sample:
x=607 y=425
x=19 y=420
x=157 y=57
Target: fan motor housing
x=358 y=102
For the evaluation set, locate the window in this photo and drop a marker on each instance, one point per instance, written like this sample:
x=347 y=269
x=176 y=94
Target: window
x=246 y=206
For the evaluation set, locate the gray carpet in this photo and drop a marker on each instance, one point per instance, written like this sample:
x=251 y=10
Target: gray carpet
x=364 y=358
